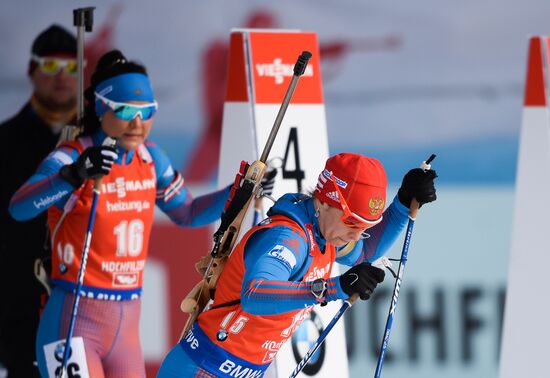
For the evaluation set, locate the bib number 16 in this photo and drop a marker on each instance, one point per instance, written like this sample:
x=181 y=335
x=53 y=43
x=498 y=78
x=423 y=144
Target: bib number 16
x=129 y=238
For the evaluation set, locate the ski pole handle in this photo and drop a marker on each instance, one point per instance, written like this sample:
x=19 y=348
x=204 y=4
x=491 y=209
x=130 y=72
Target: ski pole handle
x=109 y=142
x=426 y=166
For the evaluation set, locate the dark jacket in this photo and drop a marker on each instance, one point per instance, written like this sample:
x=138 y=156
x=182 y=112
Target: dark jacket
x=25 y=141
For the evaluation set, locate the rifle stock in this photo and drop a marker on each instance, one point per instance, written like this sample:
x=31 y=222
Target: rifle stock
x=211 y=266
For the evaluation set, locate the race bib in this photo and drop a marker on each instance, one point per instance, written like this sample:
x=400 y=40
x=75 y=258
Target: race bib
x=76 y=363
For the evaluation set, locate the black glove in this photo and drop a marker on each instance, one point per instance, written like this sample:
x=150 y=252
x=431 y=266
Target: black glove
x=418 y=184
x=361 y=279
x=94 y=162
x=268 y=181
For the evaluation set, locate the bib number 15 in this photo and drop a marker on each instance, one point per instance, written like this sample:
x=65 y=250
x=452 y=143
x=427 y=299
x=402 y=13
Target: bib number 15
x=129 y=238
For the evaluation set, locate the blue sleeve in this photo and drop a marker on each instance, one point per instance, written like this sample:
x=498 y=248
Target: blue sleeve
x=272 y=257
x=175 y=199
x=381 y=237
x=45 y=187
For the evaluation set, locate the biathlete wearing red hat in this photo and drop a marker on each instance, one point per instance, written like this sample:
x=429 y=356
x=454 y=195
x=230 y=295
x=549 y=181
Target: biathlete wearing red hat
x=281 y=268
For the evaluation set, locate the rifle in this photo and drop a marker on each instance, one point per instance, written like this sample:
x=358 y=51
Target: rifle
x=83 y=19
x=246 y=187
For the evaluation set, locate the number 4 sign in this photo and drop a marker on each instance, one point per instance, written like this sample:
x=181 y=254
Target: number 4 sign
x=296 y=173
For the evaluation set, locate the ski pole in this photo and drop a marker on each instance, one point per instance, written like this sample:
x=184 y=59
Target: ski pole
x=347 y=304
x=389 y=321
x=85 y=252
x=379 y=263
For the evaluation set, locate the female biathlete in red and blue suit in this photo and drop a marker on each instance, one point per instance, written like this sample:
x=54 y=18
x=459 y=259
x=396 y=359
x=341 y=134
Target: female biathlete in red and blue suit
x=137 y=175
x=281 y=268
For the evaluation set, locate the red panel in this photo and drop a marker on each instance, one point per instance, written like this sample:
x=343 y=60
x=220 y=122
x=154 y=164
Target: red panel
x=534 y=82
x=236 y=78
x=274 y=56
x=178 y=249
x=151 y=369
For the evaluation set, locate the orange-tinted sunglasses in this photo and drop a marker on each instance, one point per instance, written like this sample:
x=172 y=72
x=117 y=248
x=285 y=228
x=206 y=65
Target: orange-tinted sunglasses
x=52 y=65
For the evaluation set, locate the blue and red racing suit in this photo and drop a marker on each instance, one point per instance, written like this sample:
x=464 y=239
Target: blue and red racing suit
x=264 y=292
x=138 y=181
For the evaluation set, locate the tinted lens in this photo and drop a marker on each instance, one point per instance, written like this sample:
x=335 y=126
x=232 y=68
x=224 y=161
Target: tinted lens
x=129 y=112
x=72 y=67
x=354 y=223
x=50 y=66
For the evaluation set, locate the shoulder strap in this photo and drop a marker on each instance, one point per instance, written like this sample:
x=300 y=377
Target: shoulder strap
x=79 y=144
x=227 y=304
x=145 y=154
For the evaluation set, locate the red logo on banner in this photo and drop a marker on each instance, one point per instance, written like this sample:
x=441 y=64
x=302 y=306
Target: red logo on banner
x=273 y=58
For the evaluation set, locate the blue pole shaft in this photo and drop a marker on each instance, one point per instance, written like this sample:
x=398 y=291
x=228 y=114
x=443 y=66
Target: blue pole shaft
x=389 y=322
x=347 y=304
x=81 y=272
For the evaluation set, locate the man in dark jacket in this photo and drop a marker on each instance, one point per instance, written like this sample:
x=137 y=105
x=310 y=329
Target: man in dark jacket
x=26 y=139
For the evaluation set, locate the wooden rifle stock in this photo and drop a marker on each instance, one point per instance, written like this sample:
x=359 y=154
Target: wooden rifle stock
x=211 y=266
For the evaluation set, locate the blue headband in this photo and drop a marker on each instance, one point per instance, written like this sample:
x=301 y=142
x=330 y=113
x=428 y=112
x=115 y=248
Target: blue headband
x=124 y=88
